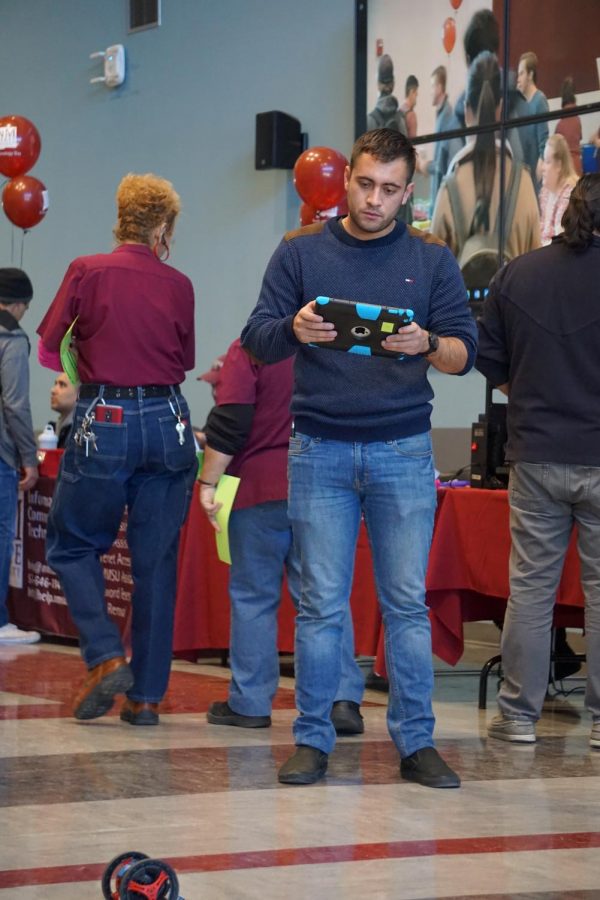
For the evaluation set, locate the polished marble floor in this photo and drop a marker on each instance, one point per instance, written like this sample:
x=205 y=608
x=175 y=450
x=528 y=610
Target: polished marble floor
x=525 y=824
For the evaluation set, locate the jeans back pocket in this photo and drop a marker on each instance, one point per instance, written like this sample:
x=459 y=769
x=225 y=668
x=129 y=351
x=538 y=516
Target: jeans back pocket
x=103 y=457
x=177 y=456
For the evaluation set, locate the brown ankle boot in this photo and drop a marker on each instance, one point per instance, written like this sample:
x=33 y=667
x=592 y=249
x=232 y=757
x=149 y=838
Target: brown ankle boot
x=138 y=713
x=97 y=693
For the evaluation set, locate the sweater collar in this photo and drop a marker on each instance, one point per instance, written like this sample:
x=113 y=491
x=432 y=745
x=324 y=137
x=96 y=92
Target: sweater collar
x=338 y=231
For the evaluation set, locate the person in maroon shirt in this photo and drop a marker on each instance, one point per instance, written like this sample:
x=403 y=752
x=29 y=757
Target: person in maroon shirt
x=131 y=446
x=247 y=435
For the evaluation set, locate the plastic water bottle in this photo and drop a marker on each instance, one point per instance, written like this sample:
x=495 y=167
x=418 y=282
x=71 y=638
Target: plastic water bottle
x=48 y=439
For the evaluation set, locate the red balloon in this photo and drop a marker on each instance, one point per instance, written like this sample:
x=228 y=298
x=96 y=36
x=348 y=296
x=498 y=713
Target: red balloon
x=20 y=145
x=319 y=177
x=455 y=4
x=449 y=34
x=308 y=214
x=25 y=201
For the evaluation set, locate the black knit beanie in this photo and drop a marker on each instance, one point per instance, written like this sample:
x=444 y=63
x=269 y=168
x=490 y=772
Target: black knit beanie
x=15 y=286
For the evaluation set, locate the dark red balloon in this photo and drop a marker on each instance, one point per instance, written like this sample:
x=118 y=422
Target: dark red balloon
x=319 y=177
x=20 y=145
x=449 y=34
x=25 y=201
x=455 y=4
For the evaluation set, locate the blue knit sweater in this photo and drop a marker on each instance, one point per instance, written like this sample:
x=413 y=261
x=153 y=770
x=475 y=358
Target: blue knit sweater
x=342 y=396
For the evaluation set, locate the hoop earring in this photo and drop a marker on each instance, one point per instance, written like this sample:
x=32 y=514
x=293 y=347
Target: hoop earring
x=162 y=257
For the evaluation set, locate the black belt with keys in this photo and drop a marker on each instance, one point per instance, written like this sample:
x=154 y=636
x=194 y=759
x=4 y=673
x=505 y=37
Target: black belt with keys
x=99 y=411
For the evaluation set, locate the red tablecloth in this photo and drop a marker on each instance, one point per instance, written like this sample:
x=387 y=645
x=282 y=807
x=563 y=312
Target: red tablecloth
x=35 y=598
x=202 y=614
x=467 y=579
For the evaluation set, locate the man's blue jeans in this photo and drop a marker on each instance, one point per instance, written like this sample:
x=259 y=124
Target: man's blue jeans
x=141 y=465
x=260 y=539
x=392 y=485
x=9 y=479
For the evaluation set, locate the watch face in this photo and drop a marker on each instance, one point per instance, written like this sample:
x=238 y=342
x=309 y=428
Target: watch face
x=434 y=343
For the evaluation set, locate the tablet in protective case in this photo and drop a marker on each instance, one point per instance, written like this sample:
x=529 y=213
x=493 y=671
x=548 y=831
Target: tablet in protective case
x=361 y=327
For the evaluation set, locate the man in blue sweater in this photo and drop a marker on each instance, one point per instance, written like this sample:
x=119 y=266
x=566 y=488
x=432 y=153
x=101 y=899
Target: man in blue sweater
x=361 y=442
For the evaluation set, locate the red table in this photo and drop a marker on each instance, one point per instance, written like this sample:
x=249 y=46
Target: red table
x=467 y=579
x=35 y=599
x=467 y=576
x=202 y=614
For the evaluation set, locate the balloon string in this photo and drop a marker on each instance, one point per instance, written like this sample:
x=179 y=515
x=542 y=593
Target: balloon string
x=22 y=246
x=12 y=245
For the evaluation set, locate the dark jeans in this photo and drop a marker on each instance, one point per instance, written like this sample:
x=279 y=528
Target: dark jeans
x=139 y=465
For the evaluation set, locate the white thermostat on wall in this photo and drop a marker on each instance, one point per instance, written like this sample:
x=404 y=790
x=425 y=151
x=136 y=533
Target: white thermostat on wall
x=114 y=65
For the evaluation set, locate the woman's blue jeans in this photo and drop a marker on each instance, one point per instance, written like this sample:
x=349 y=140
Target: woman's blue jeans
x=392 y=484
x=140 y=466
x=260 y=539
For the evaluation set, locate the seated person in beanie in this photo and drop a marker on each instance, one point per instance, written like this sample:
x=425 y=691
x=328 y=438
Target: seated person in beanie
x=63 y=398
x=17 y=442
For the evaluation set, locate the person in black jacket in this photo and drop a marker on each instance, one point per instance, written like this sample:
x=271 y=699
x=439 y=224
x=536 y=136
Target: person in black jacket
x=538 y=342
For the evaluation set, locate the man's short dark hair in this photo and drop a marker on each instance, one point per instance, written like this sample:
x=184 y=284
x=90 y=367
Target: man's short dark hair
x=411 y=83
x=482 y=34
x=386 y=146
x=440 y=76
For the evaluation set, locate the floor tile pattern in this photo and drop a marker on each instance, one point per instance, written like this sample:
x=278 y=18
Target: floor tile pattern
x=525 y=824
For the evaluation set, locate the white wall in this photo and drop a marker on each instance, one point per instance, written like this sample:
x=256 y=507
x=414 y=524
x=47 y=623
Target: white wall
x=187 y=111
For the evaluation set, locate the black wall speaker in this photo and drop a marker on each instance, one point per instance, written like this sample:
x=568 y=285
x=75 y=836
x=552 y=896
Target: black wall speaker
x=278 y=140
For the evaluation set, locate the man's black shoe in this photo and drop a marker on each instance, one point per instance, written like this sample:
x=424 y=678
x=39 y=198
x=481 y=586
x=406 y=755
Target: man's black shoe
x=427 y=767
x=223 y=714
x=377 y=683
x=306 y=766
x=346 y=717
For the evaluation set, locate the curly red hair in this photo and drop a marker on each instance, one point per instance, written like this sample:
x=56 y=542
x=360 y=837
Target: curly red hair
x=144 y=203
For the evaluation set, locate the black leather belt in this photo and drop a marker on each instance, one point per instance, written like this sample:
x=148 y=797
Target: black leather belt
x=117 y=392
